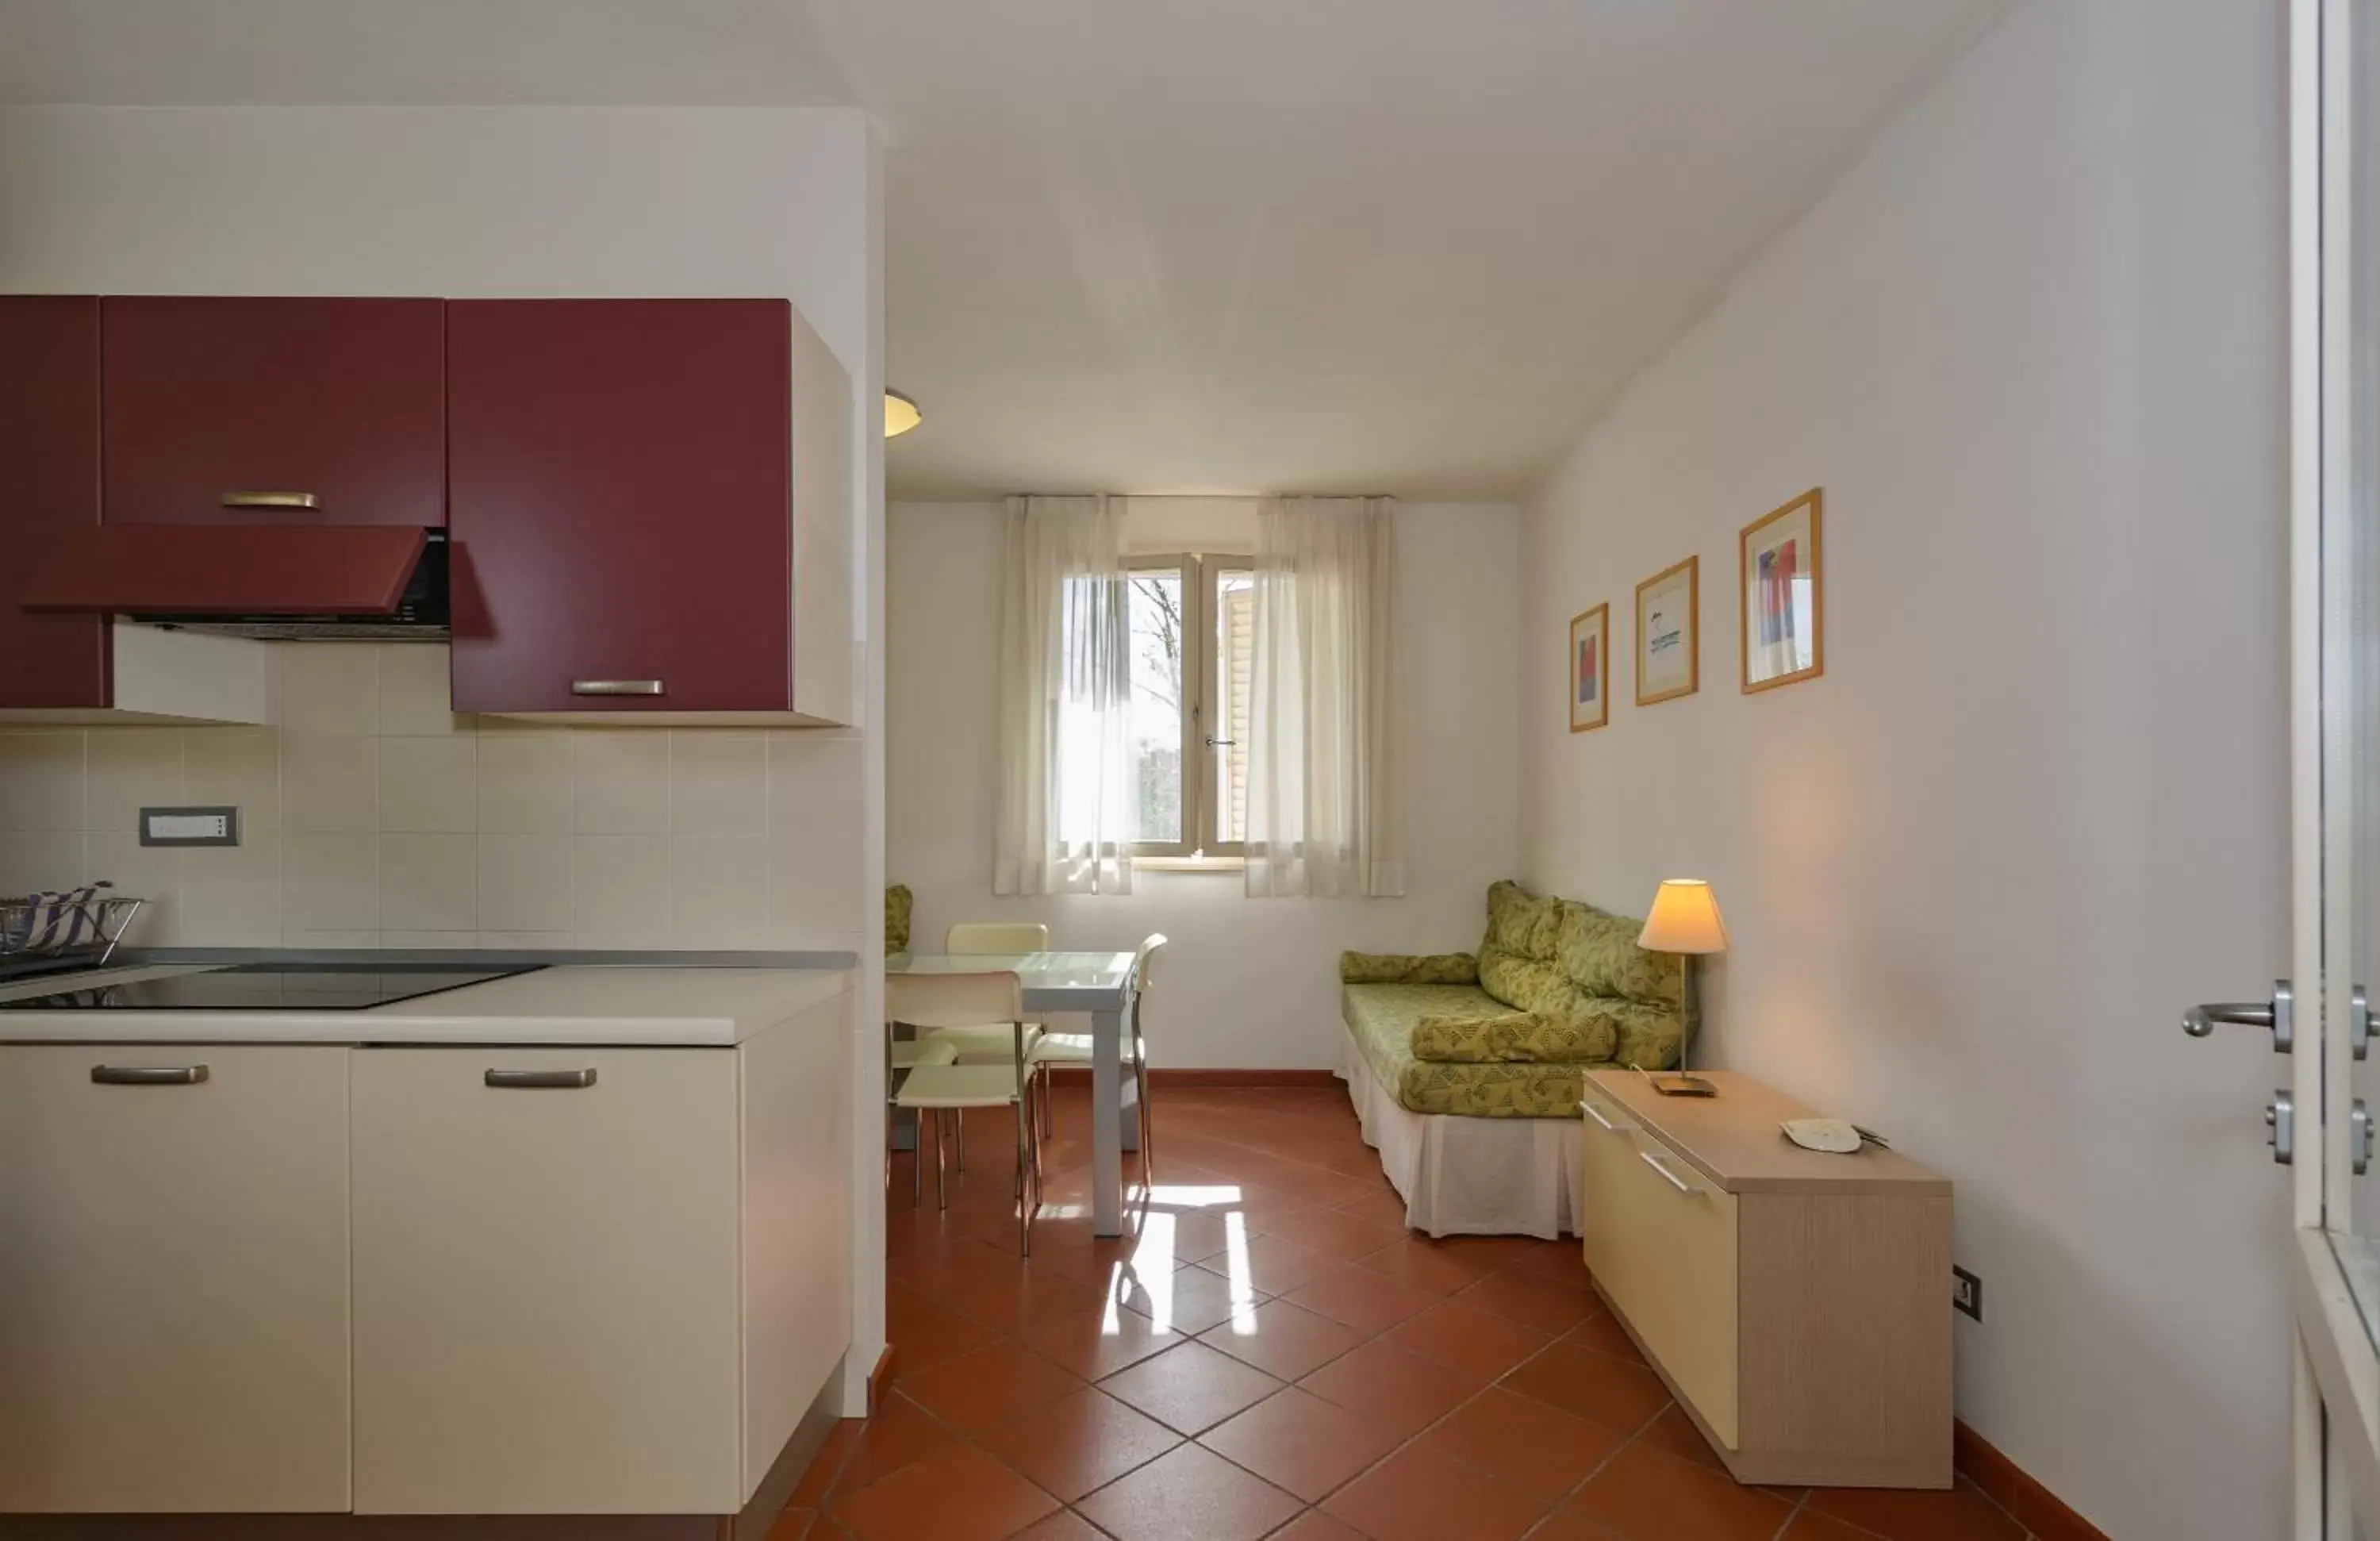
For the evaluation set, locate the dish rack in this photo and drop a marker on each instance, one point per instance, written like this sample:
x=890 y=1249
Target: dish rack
x=77 y=927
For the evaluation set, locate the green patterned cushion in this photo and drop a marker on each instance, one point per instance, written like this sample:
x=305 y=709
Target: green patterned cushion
x=1381 y=1018
x=1598 y=954
x=1513 y=1037
x=1578 y=966
x=1519 y=922
x=1394 y=968
x=898 y=906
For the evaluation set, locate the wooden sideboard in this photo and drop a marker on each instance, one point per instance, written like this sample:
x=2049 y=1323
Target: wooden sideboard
x=1797 y=1304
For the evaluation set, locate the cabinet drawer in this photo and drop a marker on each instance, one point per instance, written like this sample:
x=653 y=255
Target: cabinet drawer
x=1662 y=1240
x=173 y=1280
x=546 y=1281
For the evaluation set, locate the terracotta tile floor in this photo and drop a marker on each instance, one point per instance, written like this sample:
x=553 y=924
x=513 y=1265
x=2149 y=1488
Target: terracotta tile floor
x=1274 y=1354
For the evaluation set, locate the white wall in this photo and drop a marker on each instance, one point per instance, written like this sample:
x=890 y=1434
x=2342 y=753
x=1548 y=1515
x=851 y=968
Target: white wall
x=2033 y=348
x=495 y=201
x=1249 y=982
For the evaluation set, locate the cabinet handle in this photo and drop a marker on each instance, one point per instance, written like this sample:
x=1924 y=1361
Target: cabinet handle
x=271 y=500
x=616 y=687
x=1652 y=1159
x=540 y=1080
x=147 y=1075
x=1609 y=1127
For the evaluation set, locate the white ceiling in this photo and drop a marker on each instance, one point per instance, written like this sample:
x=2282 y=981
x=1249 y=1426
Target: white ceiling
x=1403 y=246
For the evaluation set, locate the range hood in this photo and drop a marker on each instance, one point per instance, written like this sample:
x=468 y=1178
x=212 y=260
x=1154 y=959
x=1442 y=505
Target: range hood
x=352 y=582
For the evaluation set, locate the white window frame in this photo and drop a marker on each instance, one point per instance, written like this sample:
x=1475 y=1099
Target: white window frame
x=1201 y=572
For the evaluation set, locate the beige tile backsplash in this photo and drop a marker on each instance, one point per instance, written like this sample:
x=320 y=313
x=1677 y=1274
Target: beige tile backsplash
x=371 y=815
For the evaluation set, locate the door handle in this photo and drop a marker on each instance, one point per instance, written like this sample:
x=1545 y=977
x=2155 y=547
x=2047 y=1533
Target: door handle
x=148 y=1075
x=272 y=499
x=2278 y=1013
x=540 y=1080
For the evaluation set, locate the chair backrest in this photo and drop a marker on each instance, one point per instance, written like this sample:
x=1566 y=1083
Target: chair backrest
x=995 y=935
x=1146 y=959
x=952 y=1000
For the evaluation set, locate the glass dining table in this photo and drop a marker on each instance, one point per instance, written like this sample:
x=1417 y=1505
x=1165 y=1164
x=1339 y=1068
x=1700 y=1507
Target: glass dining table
x=1101 y=984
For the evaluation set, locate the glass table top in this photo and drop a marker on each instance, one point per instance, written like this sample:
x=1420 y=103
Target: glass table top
x=1035 y=971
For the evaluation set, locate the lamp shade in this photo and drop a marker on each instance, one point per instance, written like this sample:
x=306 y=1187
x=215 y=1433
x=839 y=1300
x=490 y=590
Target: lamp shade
x=1685 y=918
x=901 y=415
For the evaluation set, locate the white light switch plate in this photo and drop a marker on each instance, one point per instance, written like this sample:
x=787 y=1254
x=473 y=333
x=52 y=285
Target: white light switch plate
x=189 y=826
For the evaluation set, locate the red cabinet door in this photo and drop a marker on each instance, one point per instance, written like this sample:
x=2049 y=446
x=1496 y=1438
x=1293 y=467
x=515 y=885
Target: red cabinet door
x=618 y=494
x=49 y=446
x=212 y=405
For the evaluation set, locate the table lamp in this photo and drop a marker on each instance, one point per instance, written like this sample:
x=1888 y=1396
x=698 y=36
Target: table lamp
x=1685 y=920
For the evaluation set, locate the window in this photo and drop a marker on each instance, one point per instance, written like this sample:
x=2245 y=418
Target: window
x=1193 y=629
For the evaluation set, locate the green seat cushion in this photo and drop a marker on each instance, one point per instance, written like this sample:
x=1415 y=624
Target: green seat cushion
x=1523 y=1037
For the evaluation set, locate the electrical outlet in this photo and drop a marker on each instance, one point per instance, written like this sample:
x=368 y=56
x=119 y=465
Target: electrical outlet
x=1966 y=1291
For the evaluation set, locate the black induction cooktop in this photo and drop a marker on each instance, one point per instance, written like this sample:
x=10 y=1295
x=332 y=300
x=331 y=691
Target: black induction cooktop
x=270 y=987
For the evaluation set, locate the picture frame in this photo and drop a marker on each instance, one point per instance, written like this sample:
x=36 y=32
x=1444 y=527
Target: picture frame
x=1589 y=669
x=1668 y=633
x=1781 y=595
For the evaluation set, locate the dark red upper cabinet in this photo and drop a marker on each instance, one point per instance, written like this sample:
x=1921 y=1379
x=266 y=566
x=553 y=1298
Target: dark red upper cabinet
x=49 y=446
x=327 y=411
x=620 y=487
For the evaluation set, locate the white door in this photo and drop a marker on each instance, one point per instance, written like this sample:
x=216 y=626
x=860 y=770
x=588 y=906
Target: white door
x=547 y=1281
x=173 y=1279
x=2320 y=1125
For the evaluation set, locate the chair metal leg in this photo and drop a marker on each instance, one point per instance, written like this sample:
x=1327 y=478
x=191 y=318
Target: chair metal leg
x=916 y=1159
x=1047 y=1128
x=958 y=1119
x=1027 y=1200
x=942 y=1176
x=1148 y=1123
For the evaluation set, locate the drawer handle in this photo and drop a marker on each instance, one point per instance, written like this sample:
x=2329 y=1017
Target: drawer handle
x=1609 y=1127
x=616 y=687
x=540 y=1080
x=148 y=1075
x=1654 y=1161
x=271 y=500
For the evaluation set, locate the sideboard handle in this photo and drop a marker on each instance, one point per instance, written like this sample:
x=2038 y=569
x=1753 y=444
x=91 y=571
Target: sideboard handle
x=1653 y=1159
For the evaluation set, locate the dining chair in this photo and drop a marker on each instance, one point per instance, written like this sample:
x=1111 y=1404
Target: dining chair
x=986 y=1043
x=931 y=1000
x=900 y=1057
x=1074 y=1049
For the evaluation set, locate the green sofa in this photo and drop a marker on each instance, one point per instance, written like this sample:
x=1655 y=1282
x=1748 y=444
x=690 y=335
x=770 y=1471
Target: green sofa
x=1507 y=1032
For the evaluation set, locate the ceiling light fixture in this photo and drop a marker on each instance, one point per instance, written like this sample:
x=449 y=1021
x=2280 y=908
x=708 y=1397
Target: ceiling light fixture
x=901 y=415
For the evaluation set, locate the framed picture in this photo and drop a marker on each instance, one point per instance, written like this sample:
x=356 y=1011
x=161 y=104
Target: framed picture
x=1590 y=669
x=1783 y=595
x=1668 y=633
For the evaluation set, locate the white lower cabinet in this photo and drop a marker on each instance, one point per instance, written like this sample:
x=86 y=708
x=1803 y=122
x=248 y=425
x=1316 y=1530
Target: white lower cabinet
x=419 y=1281
x=547 y=1281
x=173 y=1279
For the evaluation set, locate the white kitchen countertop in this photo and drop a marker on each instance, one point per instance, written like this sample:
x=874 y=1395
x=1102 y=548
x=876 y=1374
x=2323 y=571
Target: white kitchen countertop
x=623 y=1006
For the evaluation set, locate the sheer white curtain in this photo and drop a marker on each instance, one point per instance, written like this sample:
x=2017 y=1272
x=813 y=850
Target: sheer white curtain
x=1322 y=799
x=1065 y=697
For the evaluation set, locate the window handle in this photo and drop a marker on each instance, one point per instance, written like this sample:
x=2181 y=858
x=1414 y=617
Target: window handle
x=1214 y=743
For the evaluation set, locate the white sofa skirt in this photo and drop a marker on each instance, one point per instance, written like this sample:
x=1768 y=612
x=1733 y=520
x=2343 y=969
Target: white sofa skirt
x=1468 y=1176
